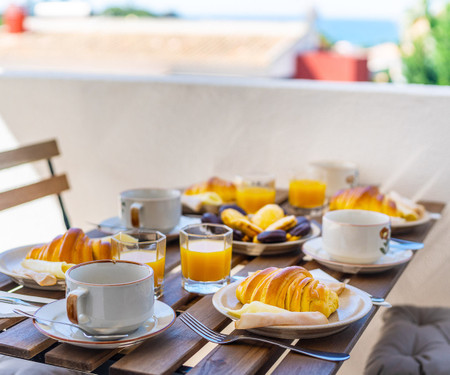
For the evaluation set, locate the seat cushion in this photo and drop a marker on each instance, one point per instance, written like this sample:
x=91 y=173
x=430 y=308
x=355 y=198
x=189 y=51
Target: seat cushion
x=414 y=341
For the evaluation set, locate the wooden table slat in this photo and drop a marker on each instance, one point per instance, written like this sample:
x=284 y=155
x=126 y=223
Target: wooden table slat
x=77 y=358
x=172 y=348
x=23 y=340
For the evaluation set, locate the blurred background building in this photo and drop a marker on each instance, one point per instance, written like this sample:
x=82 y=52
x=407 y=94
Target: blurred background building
x=306 y=39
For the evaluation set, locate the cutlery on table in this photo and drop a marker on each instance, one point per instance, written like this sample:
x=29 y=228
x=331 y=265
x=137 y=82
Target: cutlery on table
x=405 y=244
x=379 y=301
x=85 y=333
x=18 y=301
x=219 y=338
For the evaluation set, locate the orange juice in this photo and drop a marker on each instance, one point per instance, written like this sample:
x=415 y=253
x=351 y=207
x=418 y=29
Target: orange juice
x=306 y=193
x=150 y=258
x=252 y=198
x=206 y=260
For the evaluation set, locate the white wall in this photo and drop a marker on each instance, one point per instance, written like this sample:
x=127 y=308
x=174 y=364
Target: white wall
x=119 y=133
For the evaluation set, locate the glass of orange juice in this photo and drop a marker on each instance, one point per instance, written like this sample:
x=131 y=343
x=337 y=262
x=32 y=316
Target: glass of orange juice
x=254 y=192
x=307 y=193
x=143 y=246
x=205 y=257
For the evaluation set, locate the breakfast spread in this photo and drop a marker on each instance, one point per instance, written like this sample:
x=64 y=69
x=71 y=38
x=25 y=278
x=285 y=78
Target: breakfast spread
x=268 y=225
x=370 y=198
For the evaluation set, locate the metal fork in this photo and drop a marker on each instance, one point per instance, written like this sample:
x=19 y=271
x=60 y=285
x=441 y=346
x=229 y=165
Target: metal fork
x=219 y=338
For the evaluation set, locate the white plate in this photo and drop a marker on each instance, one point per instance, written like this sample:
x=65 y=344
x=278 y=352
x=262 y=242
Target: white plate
x=398 y=225
x=392 y=258
x=113 y=225
x=354 y=304
x=163 y=318
x=255 y=249
x=10 y=261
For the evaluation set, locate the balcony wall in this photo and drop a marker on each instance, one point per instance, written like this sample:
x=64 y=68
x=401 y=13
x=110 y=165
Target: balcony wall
x=125 y=132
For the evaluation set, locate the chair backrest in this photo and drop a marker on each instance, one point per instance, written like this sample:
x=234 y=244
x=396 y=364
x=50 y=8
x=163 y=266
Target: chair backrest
x=53 y=185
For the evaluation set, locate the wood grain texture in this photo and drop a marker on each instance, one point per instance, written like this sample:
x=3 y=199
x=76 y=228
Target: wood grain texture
x=23 y=340
x=52 y=185
x=27 y=154
x=78 y=358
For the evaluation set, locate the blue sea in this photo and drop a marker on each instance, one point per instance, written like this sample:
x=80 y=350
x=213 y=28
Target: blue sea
x=364 y=33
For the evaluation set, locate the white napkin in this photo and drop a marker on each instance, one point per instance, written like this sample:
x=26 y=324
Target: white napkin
x=6 y=309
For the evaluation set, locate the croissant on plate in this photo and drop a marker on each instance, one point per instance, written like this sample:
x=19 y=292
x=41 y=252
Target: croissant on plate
x=72 y=247
x=225 y=189
x=291 y=288
x=370 y=198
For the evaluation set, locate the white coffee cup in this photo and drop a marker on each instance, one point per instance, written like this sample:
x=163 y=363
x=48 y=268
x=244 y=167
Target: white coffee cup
x=109 y=296
x=337 y=175
x=158 y=209
x=356 y=236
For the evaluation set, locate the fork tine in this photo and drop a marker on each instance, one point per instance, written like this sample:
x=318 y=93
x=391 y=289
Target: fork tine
x=205 y=328
x=197 y=331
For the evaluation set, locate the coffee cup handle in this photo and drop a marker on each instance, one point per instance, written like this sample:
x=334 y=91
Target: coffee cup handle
x=135 y=210
x=74 y=307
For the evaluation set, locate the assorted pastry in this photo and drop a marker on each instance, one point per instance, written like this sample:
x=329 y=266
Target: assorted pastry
x=285 y=296
x=268 y=225
x=209 y=195
x=370 y=198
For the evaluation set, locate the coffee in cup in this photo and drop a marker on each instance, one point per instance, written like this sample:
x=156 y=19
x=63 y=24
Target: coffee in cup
x=158 y=209
x=356 y=236
x=109 y=296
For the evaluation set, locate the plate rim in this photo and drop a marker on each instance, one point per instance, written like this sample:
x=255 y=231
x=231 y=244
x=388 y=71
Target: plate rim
x=101 y=344
x=281 y=246
x=321 y=327
x=370 y=266
x=60 y=283
x=411 y=224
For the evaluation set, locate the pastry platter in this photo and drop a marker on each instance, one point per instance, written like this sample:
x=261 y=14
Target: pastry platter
x=403 y=225
x=354 y=304
x=10 y=265
x=392 y=258
x=256 y=249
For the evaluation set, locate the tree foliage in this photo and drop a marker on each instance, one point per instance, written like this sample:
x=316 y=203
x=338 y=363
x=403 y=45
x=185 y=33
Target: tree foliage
x=428 y=58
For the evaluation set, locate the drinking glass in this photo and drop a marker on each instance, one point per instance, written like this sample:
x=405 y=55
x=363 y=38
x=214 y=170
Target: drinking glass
x=307 y=194
x=205 y=257
x=254 y=192
x=143 y=246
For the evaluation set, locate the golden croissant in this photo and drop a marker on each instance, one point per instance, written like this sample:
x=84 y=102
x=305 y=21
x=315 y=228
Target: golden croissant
x=364 y=198
x=291 y=288
x=72 y=247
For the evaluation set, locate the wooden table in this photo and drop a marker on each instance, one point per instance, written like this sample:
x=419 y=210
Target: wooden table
x=166 y=353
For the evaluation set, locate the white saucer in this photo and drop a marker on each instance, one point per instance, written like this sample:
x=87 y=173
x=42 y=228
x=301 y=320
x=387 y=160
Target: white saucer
x=354 y=304
x=392 y=258
x=163 y=318
x=113 y=225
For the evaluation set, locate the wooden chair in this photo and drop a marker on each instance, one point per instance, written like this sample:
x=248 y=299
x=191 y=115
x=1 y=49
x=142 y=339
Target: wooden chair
x=53 y=185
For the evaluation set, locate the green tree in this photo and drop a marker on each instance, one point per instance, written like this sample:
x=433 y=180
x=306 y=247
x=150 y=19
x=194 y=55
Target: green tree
x=428 y=58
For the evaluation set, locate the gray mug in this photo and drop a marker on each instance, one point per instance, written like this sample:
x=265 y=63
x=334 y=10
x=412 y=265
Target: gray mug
x=158 y=209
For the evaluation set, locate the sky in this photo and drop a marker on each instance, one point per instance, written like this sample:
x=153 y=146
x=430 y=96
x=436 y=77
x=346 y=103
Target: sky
x=349 y=9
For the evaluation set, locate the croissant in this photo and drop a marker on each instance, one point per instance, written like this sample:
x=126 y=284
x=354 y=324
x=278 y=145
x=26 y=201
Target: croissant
x=291 y=288
x=72 y=247
x=364 y=198
x=225 y=189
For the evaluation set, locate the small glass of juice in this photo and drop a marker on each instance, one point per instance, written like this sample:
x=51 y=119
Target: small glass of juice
x=205 y=257
x=254 y=192
x=307 y=194
x=143 y=246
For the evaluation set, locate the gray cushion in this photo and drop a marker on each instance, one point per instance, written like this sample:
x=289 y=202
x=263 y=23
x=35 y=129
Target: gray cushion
x=414 y=341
